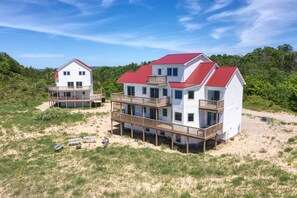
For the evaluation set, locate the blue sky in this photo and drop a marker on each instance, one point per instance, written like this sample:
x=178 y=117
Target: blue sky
x=47 y=33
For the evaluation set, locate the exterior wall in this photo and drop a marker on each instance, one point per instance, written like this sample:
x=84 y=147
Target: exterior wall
x=232 y=108
x=191 y=66
x=178 y=78
x=74 y=76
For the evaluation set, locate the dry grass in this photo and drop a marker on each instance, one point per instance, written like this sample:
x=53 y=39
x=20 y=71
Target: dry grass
x=130 y=168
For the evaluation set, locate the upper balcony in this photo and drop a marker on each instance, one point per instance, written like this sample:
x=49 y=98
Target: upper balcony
x=149 y=102
x=157 y=80
x=211 y=105
x=69 y=88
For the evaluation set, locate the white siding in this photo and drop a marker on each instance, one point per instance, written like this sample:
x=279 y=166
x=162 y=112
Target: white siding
x=74 y=76
x=232 y=108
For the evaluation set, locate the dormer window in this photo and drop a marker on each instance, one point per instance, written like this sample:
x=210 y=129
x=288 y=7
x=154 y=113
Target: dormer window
x=172 y=72
x=82 y=73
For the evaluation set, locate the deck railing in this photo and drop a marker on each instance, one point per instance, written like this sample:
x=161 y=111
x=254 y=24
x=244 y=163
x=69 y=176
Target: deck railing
x=199 y=133
x=152 y=102
x=69 y=88
x=90 y=98
x=157 y=80
x=211 y=104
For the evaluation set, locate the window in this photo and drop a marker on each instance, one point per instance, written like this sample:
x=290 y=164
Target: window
x=178 y=94
x=159 y=72
x=67 y=94
x=190 y=94
x=129 y=109
x=130 y=91
x=164 y=112
x=190 y=117
x=178 y=116
x=70 y=84
x=66 y=73
x=144 y=110
x=169 y=71
x=162 y=133
x=82 y=73
x=143 y=90
x=165 y=92
x=175 y=72
x=147 y=129
x=79 y=84
x=178 y=138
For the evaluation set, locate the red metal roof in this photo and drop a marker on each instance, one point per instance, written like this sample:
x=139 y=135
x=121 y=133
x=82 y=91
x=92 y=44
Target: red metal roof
x=83 y=64
x=175 y=59
x=221 y=77
x=138 y=77
x=197 y=76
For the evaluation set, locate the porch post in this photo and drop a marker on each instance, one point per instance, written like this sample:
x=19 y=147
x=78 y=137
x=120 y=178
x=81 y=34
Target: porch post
x=204 y=145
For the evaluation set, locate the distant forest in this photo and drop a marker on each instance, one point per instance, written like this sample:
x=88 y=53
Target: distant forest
x=270 y=74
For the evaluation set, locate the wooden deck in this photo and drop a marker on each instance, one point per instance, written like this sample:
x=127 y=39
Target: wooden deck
x=157 y=80
x=149 y=102
x=55 y=88
x=199 y=133
x=95 y=97
x=211 y=105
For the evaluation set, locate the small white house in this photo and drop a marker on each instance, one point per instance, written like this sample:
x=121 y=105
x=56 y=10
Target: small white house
x=73 y=86
x=185 y=97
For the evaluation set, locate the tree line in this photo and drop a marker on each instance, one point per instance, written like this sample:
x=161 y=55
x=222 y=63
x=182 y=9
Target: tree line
x=270 y=74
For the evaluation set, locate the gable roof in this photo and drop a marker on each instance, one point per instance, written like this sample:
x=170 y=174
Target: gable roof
x=138 y=77
x=196 y=77
x=176 y=59
x=222 y=76
x=78 y=62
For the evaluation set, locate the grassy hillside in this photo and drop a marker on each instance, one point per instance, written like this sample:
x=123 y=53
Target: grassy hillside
x=22 y=84
x=270 y=74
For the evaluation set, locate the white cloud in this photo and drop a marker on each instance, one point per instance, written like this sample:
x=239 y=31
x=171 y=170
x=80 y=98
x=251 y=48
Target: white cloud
x=219 y=4
x=41 y=55
x=185 y=19
x=192 y=26
x=260 y=22
x=125 y=39
x=219 y=32
x=106 y=3
x=192 y=6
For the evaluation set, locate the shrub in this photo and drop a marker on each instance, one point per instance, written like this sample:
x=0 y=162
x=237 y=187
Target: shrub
x=52 y=114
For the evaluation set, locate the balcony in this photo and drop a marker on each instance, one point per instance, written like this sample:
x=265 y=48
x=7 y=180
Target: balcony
x=187 y=131
x=95 y=97
x=149 y=102
x=69 y=88
x=157 y=80
x=211 y=105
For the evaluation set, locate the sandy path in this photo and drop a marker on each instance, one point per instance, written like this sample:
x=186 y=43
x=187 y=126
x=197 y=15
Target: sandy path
x=261 y=140
x=44 y=106
x=286 y=117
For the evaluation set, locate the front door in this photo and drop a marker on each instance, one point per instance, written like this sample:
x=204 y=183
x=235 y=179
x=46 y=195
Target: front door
x=154 y=93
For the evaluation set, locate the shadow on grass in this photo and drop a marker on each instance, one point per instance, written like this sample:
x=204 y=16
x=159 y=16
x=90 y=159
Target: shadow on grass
x=163 y=141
